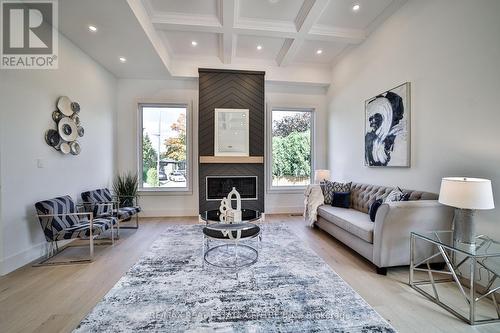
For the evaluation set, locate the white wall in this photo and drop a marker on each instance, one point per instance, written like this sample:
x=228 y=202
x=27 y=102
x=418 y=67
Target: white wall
x=130 y=92
x=27 y=99
x=450 y=52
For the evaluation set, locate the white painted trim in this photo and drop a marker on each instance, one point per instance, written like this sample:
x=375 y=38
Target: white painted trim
x=139 y=103
x=268 y=151
x=285 y=210
x=20 y=259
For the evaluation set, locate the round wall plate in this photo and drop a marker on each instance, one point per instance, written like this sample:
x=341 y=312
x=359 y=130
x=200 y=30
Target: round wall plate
x=81 y=131
x=65 y=148
x=57 y=115
x=52 y=138
x=75 y=106
x=75 y=148
x=67 y=129
x=64 y=105
x=76 y=118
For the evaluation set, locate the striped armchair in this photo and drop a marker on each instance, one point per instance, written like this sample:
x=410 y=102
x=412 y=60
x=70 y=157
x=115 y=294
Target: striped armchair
x=95 y=201
x=61 y=219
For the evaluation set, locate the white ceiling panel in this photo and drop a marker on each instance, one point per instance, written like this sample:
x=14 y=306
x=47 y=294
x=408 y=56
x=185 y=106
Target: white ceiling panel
x=198 y=7
x=330 y=50
x=179 y=43
x=247 y=47
x=119 y=34
x=281 y=10
x=339 y=13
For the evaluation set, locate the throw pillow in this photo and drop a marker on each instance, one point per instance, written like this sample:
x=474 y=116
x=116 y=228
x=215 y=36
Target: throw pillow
x=342 y=187
x=374 y=208
x=328 y=192
x=330 y=187
x=341 y=199
x=395 y=195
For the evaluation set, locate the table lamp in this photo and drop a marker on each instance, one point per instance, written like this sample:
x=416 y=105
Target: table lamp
x=466 y=195
x=321 y=175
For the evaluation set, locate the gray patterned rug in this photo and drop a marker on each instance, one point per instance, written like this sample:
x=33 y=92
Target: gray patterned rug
x=289 y=289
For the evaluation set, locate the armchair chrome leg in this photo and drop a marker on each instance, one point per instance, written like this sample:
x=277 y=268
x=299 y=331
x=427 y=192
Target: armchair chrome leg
x=136 y=226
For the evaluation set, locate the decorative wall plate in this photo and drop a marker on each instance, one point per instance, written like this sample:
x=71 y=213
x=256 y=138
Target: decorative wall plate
x=65 y=148
x=57 y=115
x=75 y=107
x=64 y=105
x=68 y=127
x=75 y=148
x=52 y=138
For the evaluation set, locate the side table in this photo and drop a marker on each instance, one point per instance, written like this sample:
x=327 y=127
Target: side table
x=471 y=271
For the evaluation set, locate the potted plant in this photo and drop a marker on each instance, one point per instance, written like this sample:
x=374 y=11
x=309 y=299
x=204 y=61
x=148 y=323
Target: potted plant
x=125 y=187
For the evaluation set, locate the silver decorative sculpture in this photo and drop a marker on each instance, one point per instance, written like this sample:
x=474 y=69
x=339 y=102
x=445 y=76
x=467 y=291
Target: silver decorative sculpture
x=68 y=127
x=227 y=213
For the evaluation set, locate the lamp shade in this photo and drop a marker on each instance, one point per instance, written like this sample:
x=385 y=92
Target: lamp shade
x=466 y=193
x=320 y=175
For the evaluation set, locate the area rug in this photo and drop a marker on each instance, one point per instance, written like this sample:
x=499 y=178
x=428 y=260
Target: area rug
x=289 y=289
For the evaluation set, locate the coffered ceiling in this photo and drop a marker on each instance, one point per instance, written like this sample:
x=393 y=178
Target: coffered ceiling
x=283 y=32
x=292 y=40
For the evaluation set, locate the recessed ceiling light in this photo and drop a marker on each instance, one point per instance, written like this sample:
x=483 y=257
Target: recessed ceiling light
x=194 y=43
x=92 y=28
x=319 y=51
x=356 y=7
x=122 y=59
x=259 y=47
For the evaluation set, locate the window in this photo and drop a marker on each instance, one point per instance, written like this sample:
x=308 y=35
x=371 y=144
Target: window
x=164 y=154
x=291 y=152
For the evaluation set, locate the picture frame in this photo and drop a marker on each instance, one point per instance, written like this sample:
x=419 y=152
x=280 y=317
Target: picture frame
x=231 y=132
x=387 y=130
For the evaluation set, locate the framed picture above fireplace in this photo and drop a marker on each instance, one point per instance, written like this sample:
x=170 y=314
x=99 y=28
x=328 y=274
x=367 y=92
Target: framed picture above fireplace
x=231 y=132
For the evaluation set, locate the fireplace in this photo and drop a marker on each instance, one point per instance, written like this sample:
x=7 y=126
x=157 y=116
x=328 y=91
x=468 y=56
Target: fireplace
x=218 y=187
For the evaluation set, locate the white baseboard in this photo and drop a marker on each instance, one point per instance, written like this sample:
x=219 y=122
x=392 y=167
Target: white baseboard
x=13 y=262
x=285 y=210
x=169 y=213
x=18 y=260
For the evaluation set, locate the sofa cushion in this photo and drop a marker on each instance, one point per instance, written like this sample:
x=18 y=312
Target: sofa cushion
x=351 y=220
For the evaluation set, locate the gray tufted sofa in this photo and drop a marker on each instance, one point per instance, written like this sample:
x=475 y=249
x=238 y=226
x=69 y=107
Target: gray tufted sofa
x=385 y=242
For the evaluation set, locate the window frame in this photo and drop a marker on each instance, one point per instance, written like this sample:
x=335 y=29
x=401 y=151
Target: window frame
x=188 y=189
x=269 y=148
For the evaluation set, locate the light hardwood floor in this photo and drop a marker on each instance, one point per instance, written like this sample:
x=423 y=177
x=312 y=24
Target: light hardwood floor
x=55 y=299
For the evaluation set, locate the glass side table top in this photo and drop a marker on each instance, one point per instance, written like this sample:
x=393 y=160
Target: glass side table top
x=247 y=215
x=484 y=247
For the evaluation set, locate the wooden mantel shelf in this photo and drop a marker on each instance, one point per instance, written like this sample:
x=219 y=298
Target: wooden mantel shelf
x=232 y=159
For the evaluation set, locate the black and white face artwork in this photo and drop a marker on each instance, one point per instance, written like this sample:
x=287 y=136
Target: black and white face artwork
x=387 y=131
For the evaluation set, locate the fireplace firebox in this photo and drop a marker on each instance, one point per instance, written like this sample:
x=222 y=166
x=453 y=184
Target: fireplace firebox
x=218 y=187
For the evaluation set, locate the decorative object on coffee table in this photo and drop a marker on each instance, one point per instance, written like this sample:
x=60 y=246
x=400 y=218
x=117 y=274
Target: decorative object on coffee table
x=228 y=214
x=387 y=128
x=68 y=127
x=466 y=195
x=231 y=253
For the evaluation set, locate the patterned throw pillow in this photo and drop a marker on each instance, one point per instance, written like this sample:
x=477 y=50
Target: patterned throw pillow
x=397 y=194
x=331 y=187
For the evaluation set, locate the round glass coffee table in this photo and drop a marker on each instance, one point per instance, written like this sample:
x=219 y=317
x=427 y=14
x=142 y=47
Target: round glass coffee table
x=229 y=252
